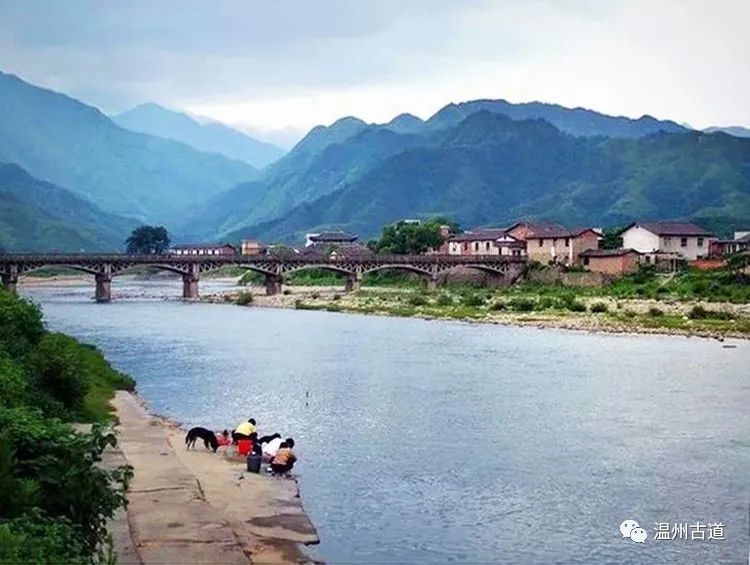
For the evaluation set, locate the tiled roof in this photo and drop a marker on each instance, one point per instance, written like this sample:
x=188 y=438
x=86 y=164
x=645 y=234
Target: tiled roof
x=607 y=252
x=202 y=246
x=480 y=235
x=537 y=227
x=331 y=236
x=672 y=228
x=559 y=233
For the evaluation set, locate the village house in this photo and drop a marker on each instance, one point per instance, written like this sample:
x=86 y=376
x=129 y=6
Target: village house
x=490 y=241
x=330 y=238
x=724 y=247
x=615 y=262
x=203 y=249
x=446 y=232
x=677 y=239
x=560 y=245
x=251 y=247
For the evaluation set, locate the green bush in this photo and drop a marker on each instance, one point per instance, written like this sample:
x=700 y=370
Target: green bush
x=58 y=373
x=576 y=306
x=337 y=297
x=499 y=305
x=21 y=325
x=444 y=300
x=59 y=466
x=599 y=307
x=37 y=538
x=474 y=300
x=244 y=298
x=546 y=303
x=700 y=313
x=417 y=300
x=521 y=305
x=655 y=312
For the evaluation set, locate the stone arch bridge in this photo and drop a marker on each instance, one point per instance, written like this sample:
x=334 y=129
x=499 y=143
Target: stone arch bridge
x=502 y=269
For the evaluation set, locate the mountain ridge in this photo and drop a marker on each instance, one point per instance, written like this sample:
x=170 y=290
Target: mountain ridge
x=61 y=140
x=210 y=136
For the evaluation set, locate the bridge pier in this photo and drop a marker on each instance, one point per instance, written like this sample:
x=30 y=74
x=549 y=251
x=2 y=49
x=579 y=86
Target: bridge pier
x=10 y=282
x=431 y=283
x=273 y=285
x=190 y=287
x=353 y=283
x=103 y=287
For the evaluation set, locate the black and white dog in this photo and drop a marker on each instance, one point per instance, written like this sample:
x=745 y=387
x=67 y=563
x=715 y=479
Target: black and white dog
x=208 y=437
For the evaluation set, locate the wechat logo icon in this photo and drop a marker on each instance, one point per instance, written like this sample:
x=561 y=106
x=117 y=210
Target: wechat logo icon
x=631 y=529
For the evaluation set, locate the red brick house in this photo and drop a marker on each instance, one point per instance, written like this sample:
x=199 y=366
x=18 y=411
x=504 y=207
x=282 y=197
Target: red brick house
x=616 y=262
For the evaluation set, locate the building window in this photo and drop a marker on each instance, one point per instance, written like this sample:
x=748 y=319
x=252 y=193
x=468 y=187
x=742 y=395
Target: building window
x=567 y=242
x=700 y=242
x=683 y=242
x=541 y=243
x=585 y=260
x=487 y=245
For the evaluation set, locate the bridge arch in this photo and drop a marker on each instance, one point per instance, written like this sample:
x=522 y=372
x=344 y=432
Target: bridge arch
x=81 y=268
x=311 y=266
x=399 y=267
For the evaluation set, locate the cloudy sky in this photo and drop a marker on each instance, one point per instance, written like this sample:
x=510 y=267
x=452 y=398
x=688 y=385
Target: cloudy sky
x=287 y=65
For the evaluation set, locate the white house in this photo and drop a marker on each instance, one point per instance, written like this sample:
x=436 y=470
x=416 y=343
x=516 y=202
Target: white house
x=490 y=241
x=683 y=238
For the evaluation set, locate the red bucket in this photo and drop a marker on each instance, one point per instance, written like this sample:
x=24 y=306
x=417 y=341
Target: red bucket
x=244 y=446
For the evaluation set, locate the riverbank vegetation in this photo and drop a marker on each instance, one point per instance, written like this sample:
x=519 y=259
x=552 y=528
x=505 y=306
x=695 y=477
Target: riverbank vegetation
x=56 y=498
x=692 y=302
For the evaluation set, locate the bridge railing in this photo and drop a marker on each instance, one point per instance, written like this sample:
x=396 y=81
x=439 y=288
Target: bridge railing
x=74 y=258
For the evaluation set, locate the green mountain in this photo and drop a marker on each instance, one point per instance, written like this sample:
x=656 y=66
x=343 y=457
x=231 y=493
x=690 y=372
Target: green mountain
x=212 y=137
x=331 y=158
x=490 y=169
x=65 y=142
x=40 y=216
x=319 y=165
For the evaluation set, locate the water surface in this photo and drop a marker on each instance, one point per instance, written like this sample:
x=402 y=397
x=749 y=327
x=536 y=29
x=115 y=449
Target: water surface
x=435 y=441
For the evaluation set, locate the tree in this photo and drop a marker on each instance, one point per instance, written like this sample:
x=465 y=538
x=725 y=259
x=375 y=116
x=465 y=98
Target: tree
x=411 y=237
x=612 y=238
x=148 y=240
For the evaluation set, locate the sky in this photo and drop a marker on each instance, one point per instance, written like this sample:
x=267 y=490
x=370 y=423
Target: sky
x=278 y=68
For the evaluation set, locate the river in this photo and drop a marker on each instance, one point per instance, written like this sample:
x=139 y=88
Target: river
x=429 y=441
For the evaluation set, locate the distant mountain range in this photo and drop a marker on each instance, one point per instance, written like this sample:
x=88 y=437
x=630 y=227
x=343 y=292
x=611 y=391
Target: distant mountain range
x=60 y=140
x=39 y=216
x=73 y=179
x=736 y=131
x=475 y=163
x=212 y=137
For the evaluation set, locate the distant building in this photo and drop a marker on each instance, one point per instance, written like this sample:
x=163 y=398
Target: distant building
x=616 y=262
x=723 y=247
x=330 y=238
x=682 y=239
x=251 y=247
x=522 y=230
x=489 y=241
x=203 y=249
x=560 y=245
x=446 y=232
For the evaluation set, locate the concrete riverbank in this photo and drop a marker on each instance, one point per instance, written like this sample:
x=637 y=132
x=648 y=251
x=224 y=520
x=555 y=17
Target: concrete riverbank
x=197 y=506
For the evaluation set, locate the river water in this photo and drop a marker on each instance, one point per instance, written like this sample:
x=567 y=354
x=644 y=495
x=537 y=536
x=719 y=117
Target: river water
x=437 y=441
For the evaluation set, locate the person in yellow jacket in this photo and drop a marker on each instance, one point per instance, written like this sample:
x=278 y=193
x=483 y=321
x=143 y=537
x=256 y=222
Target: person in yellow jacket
x=244 y=430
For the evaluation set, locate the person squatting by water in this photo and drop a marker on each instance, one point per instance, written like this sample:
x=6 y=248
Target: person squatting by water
x=244 y=430
x=284 y=460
